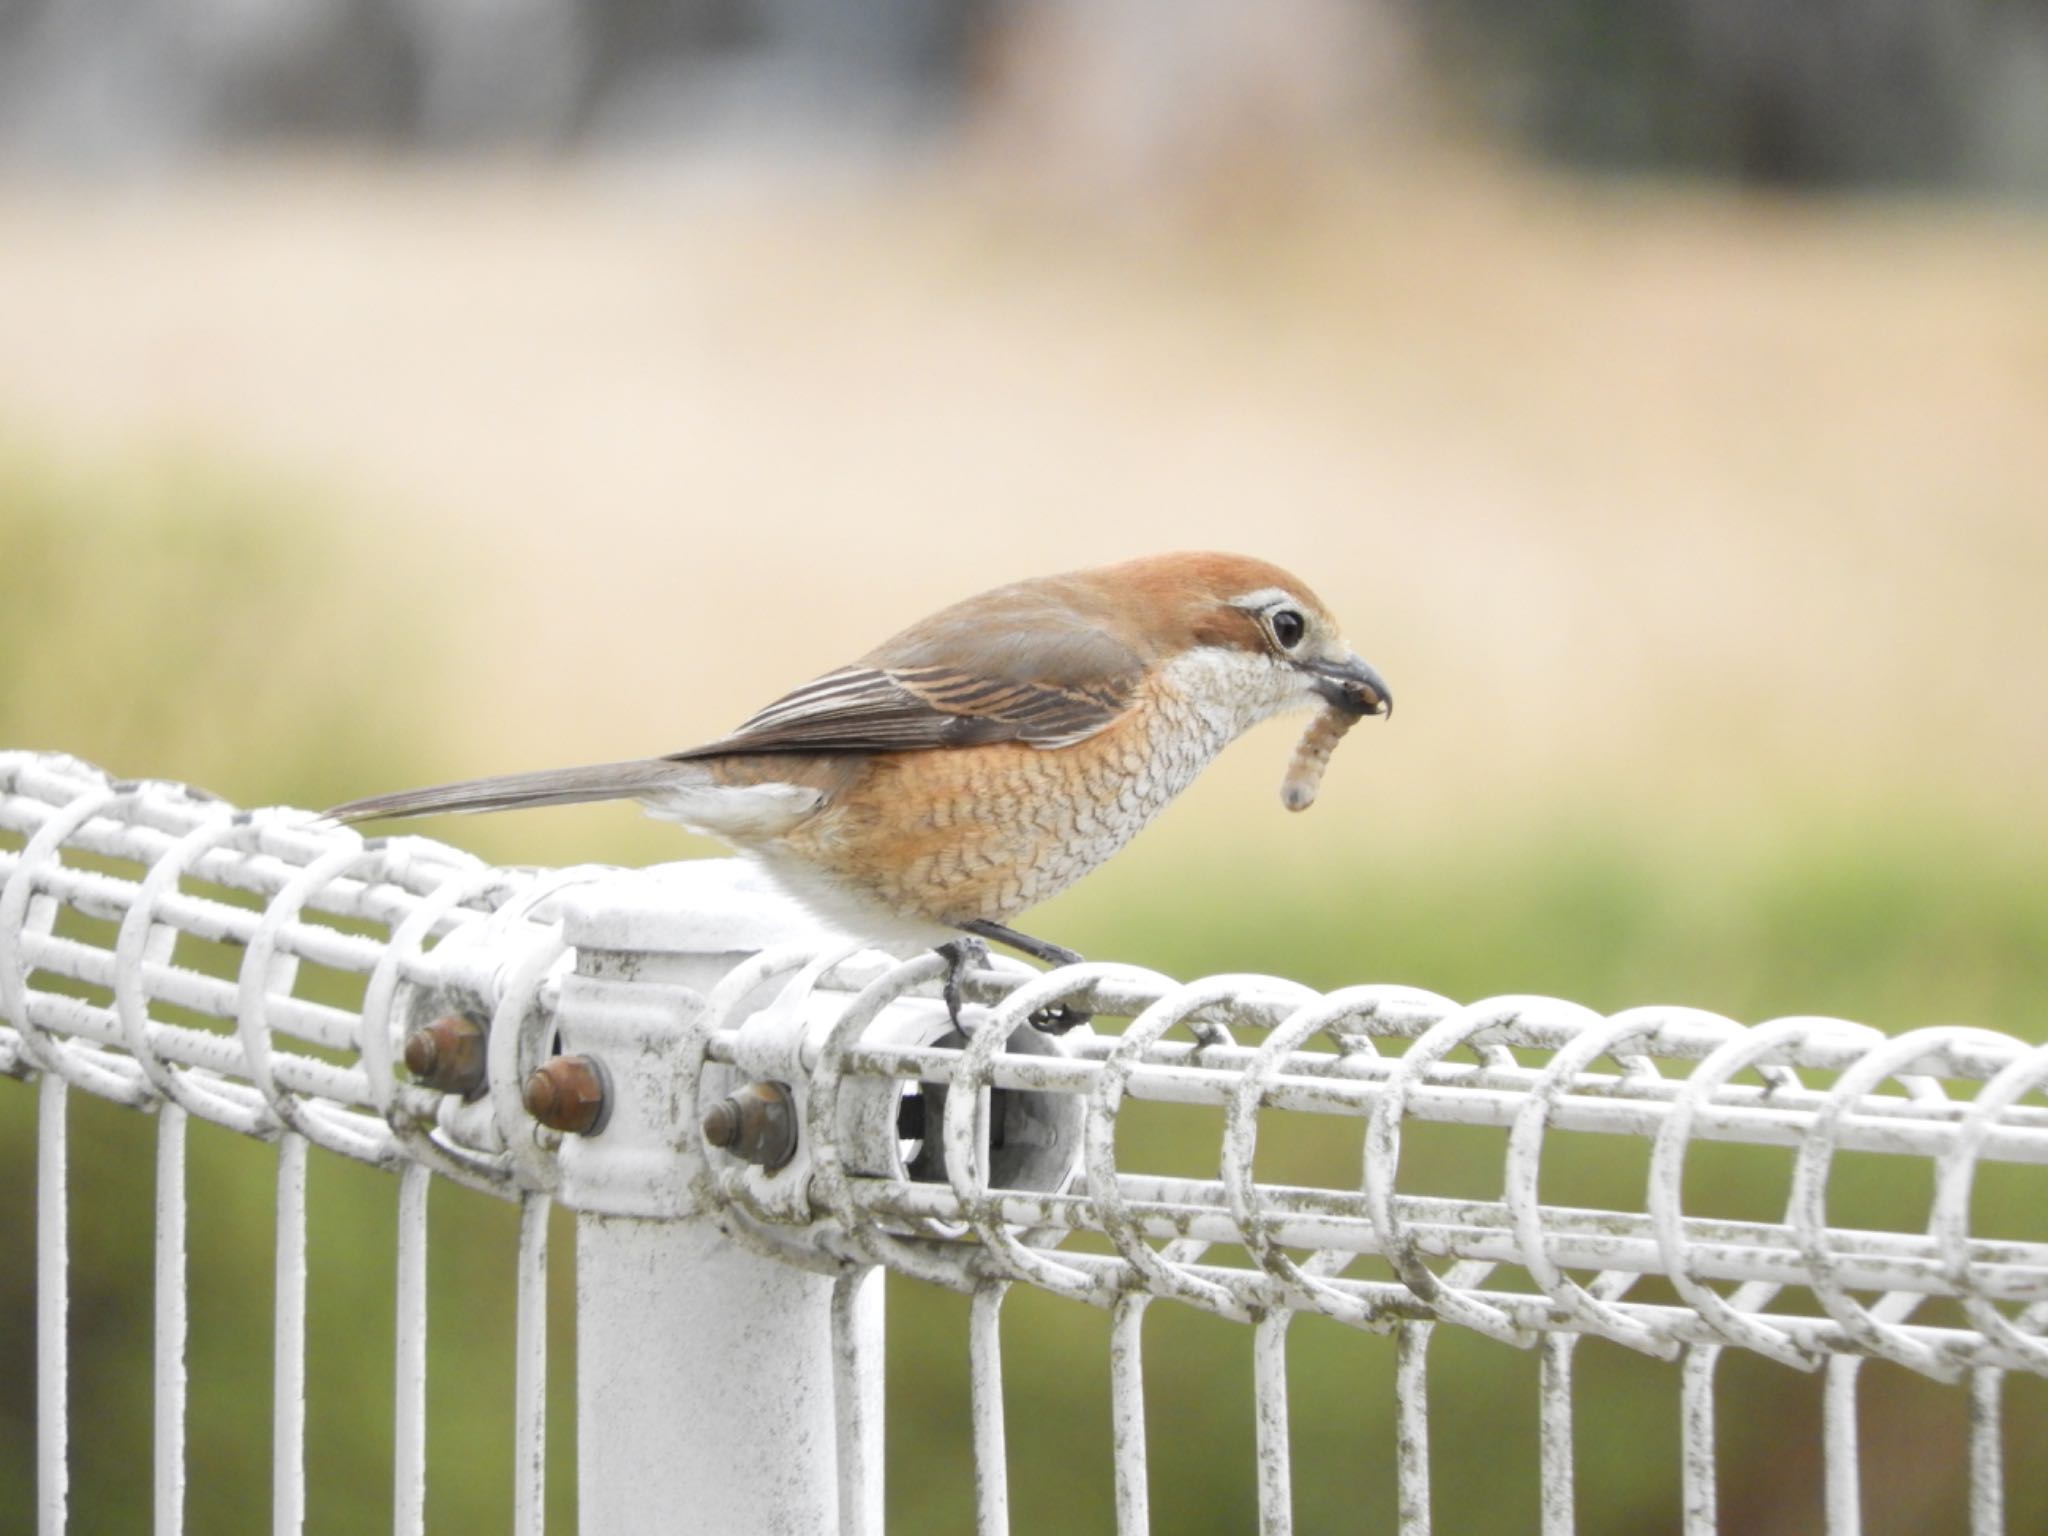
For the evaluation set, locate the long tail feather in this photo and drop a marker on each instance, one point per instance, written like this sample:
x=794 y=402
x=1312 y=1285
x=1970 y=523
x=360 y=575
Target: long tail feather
x=518 y=791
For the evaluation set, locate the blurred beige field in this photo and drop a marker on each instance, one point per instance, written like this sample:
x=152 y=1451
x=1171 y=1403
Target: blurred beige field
x=1682 y=507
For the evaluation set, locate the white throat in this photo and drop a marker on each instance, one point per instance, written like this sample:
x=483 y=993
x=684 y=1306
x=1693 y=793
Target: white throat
x=1228 y=691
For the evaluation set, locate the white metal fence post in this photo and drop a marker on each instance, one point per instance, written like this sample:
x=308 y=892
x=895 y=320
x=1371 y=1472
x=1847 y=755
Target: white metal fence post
x=705 y=1372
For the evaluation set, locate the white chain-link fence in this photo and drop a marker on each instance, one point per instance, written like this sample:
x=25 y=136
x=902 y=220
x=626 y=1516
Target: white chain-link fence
x=573 y=1037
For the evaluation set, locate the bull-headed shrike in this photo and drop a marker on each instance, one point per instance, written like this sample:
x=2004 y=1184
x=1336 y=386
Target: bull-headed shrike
x=988 y=756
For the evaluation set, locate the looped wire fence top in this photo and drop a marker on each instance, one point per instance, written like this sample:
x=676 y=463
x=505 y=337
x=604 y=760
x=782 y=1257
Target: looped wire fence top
x=1243 y=1145
x=257 y=968
x=262 y=968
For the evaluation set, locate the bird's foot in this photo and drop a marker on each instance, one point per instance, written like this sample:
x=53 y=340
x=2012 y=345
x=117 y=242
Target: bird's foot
x=1058 y=1018
x=961 y=955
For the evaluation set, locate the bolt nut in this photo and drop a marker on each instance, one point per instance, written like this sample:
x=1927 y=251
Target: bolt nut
x=448 y=1055
x=568 y=1094
x=756 y=1124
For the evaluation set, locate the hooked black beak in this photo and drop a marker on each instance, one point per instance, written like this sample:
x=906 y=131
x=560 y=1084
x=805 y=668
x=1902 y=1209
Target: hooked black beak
x=1352 y=685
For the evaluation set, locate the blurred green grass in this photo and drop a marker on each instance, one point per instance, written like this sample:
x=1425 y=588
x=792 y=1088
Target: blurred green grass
x=180 y=618
x=187 y=619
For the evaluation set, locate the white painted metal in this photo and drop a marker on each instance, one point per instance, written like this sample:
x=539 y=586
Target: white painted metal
x=1554 y=1420
x=857 y=1332
x=1987 y=1453
x=530 y=1372
x=728 y=1316
x=712 y=1378
x=53 y=1305
x=288 y=1359
x=985 y=1396
x=706 y=1384
x=1844 y=1495
x=1411 y=1426
x=1699 y=1491
x=1127 y=1413
x=1269 y=1423
x=170 y=1321
x=409 y=1348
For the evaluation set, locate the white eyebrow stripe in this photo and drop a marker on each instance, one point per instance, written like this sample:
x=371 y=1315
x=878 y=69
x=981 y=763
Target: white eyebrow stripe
x=1266 y=597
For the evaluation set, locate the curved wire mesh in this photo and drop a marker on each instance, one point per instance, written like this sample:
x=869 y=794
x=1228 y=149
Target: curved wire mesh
x=1239 y=1144
x=261 y=969
x=1234 y=1059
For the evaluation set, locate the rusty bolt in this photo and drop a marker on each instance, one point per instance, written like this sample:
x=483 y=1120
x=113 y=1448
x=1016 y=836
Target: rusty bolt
x=756 y=1124
x=568 y=1094
x=448 y=1055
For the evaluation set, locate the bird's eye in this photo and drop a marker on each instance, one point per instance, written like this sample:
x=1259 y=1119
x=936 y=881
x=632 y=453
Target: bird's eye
x=1288 y=627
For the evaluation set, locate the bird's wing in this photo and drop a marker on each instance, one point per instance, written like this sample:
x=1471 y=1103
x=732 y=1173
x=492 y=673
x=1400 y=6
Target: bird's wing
x=904 y=709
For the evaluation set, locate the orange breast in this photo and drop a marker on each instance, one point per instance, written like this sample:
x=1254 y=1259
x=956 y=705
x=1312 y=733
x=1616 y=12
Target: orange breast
x=984 y=832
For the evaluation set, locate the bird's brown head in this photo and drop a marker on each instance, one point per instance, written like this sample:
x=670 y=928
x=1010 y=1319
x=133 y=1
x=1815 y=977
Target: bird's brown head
x=1265 y=625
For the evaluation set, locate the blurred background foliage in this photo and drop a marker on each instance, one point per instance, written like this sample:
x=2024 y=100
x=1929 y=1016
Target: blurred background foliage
x=393 y=391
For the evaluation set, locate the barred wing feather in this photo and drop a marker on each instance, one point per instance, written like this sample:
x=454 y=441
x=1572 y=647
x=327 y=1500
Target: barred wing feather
x=904 y=709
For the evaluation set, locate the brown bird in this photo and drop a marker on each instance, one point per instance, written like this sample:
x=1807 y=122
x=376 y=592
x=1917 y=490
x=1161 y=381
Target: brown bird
x=988 y=756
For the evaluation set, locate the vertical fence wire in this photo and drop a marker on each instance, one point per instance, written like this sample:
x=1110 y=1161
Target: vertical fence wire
x=52 y=1307
x=985 y=1390
x=1411 y=1426
x=1697 y=1483
x=288 y=1414
x=1269 y=1388
x=1987 y=1452
x=530 y=1371
x=409 y=1367
x=1127 y=1413
x=857 y=1399
x=169 y=1345
x=1554 y=1385
x=1838 y=1441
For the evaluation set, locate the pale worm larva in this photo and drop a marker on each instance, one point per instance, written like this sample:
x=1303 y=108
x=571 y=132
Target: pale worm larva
x=1312 y=756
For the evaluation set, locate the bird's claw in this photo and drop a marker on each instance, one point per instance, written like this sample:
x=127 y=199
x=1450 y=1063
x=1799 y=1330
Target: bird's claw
x=1053 y=1018
x=1058 y=1018
x=960 y=954
x=964 y=953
